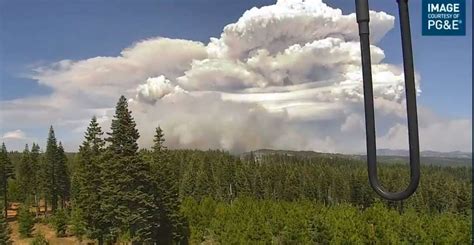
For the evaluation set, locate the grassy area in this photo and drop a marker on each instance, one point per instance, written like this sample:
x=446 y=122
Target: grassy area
x=39 y=228
x=44 y=229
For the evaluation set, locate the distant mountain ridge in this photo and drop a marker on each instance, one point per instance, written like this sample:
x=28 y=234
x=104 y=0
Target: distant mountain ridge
x=452 y=154
x=455 y=158
x=380 y=152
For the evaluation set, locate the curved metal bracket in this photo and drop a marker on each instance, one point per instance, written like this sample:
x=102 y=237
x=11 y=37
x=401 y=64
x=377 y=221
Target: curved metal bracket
x=362 y=15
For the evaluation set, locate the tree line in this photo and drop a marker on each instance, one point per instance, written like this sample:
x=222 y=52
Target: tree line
x=112 y=191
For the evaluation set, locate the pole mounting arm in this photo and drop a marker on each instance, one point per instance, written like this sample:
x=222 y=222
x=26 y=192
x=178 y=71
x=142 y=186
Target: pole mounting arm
x=362 y=16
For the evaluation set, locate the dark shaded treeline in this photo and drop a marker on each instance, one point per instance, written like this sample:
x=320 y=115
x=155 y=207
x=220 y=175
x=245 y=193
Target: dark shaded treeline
x=112 y=191
x=329 y=180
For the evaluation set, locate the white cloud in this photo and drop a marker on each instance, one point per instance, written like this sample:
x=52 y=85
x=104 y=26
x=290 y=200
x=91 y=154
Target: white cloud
x=14 y=135
x=16 y=139
x=283 y=76
x=103 y=78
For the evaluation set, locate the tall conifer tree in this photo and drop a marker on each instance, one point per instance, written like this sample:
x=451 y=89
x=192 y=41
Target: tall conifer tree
x=88 y=182
x=35 y=164
x=6 y=172
x=44 y=180
x=62 y=175
x=172 y=226
x=25 y=174
x=127 y=199
x=51 y=167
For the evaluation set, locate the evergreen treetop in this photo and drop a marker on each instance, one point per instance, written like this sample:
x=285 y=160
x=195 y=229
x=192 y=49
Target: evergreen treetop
x=159 y=140
x=93 y=137
x=127 y=196
x=87 y=180
x=124 y=135
x=50 y=171
x=25 y=173
x=6 y=172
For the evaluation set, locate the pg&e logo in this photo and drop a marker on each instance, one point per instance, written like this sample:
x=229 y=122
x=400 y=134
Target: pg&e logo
x=443 y=18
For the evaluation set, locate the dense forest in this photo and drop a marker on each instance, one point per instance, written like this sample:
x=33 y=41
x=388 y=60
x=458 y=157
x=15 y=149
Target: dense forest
x=111 y=191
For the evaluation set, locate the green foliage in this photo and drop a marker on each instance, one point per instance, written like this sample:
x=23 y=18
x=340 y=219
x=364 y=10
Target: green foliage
x=344 y=206
x=25 y=174
x=173 y=227
x=43 y=174
x=4 y=228
x=35 y=175
x=121 y=194
x=127 y=200
x=78 y=223
x=63 y=184
x=6 y=172
x=87 y=182
x=60 y=222
x=449 y=228
x=383 y=224
x=15 y=193
x=328 y=180
x=50 y=167
x=248 y=220
x=52 y=174
x=39 y=239
x=26 y=221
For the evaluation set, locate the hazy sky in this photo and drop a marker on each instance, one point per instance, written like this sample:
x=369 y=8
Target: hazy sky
x=286 y=69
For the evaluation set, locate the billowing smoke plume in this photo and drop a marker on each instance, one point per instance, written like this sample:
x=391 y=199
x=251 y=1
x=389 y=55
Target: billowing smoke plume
x=156 y=88
x=283 y=76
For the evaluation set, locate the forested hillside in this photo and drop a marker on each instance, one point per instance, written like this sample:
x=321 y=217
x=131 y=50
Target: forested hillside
x=111 y=191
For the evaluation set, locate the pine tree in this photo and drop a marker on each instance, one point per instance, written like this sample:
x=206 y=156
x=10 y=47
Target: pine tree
x=50 y=168
x=78 y=223
x=4 y=228
x=62 y=175
x=127 y=199
x=43 y=180
x=60 y=221
x=172 y=225
x=26 y=221
x=34 y=180
x=158 y=147
x=25 y=174
x=88 y=181
x=6 y=172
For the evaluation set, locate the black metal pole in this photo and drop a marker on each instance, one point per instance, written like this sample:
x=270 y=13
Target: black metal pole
x=362 y=15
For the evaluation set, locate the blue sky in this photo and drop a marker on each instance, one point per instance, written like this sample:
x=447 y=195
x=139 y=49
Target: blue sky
x=35 y=33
